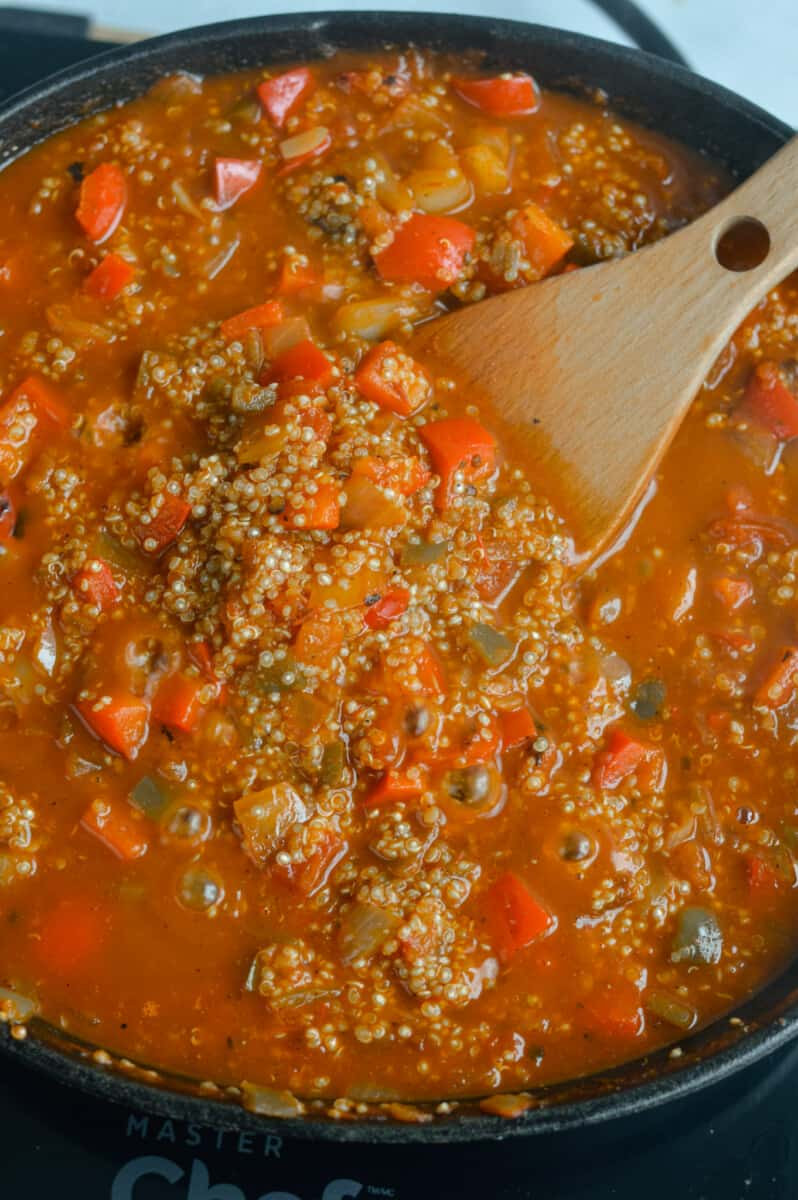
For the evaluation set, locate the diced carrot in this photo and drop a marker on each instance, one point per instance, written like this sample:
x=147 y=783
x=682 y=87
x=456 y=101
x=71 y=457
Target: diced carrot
x=515 y=917
x=770 y=403
x=109 y=277
x=70 y=935
x=320 y=509
x=282 y=95
x=780 y=684
x=614 y=1010
x=319 y=637
x=732 y=593
x=395 y=787
x=428 y=250
x=545 y=241
x=165 y=525
x=621 y=757
x=177 y=702
x=102 y=202
x=296 y=275
x=121 y=720
x=392 y=379
x=304 y=360
x=312 y=873
x=403 y=474
x=233 y=178
x=321 y=144
x=262 y=316
x=503 y=96
x=389 y=606
x=458 y=445
x=117 y=827
x=95 y=582
x=517 y=728
x=8 y=515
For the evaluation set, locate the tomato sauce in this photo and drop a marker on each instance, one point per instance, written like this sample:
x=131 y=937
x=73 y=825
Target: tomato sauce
x=321 y=771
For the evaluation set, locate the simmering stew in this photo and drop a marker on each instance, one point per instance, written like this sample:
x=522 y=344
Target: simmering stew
x=322 y=771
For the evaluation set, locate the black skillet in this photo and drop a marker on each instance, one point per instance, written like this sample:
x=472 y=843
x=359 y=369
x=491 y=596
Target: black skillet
x=658 y=93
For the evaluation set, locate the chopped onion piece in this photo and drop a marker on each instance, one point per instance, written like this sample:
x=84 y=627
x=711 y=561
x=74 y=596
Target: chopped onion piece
x=669 y=1008
x=184 y=201
x=15 y=1008
x=364 y=928
x=372 y=319
x=268 y=1102
x=304 y=143
x=219 y=261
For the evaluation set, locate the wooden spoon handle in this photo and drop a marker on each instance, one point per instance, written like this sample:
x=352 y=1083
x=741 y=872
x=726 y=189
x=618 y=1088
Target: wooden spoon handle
x=769 y=197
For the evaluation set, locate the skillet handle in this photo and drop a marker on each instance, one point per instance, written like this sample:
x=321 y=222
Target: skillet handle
x=644 y=32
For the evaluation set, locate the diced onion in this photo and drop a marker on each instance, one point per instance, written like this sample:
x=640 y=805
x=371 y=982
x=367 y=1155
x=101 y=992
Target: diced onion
x=15 y=1008
x=269 y=1102
x=184 y=201
x=304 y=143
x=669 y=1008
x=217 y=264
x=440 y=190
x=372 y=319
x=45 y=651
x=288 y=333
x=364 y=928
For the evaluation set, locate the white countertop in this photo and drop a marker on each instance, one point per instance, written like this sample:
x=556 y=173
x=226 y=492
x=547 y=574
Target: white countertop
x=750 y=47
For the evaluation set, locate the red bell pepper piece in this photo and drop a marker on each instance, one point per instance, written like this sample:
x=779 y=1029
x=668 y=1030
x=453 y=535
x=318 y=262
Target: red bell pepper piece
x=624 y=756
x=109 y=278
x=770 y=403
x=117 y=827
x=428 y=250
x=95 y=582
x=262 y=316
x=392 y=379
x=517 y=728
x=121 y=720
x=165 y=525
x=389 y=606
x=282 y=95
x=514 y=916
x=177 y=702
x=233 y=178
x=102 y=202
x=320 y=509
x=614 y=1010
x=394 y=787
x=503 y=96
x=304 y=360
x=401 y=474
x=458 y=444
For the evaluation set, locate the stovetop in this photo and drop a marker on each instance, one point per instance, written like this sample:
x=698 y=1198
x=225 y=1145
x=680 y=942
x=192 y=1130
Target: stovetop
x=736 y=1141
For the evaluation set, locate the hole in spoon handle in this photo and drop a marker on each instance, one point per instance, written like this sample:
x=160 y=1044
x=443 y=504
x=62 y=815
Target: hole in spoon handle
x=742 y=245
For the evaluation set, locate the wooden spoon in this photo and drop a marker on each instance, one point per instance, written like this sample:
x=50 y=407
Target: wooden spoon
x=593 y=371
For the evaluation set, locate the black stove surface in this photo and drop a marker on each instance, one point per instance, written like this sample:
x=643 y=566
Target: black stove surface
x=736 y=1141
